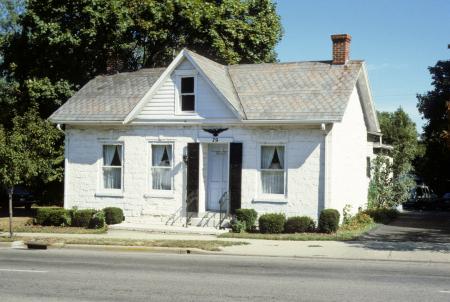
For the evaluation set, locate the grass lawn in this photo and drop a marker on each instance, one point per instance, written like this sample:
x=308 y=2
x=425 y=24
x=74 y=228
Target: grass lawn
x=24 y=225
x=342 y=234
x=207 y=245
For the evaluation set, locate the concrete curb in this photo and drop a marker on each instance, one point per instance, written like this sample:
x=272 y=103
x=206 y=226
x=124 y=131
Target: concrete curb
x=120 y=248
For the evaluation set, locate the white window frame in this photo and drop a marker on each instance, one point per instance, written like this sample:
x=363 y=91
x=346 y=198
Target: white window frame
x=178 y=95
x=101 y=190
x=267 y=196
x=157 y=192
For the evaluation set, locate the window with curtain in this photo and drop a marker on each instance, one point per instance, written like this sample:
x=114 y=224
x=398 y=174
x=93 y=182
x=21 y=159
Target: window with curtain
x=272 y=169
x=162 y=167
x=112 y=166
x=188 y=94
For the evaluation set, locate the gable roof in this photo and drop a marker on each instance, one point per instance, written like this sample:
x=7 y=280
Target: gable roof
x=303 y=92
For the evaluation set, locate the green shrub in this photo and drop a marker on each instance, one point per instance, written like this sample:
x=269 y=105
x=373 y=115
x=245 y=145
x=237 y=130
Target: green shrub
x=272 y=223
x=97 y=221
x=248 y=216
x=237 y=226
x=362 y=218
x=299 y=224
x=328 y=221
x=52 y=217
x=382 y=215
x=358 y=221
x=113 y=215
x=82 y=218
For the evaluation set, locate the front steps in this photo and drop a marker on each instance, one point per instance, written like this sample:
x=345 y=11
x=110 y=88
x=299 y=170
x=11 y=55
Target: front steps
x=209 y=219
x=207 y=224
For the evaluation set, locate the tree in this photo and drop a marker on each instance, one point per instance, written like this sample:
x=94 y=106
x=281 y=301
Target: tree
x=385 y=190
x=50 y=48
x=25 y=150
x=433 y=107
x=400 y=132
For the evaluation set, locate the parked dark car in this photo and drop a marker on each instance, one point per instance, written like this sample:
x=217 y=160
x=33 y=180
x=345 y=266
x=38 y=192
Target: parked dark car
x=22 y=197
x=421 y=198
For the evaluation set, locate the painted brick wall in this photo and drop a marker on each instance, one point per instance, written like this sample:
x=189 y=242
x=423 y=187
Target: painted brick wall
x=348 y=158
x=304 y=160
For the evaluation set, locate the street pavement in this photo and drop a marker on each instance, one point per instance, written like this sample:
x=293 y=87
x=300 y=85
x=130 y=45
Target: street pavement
x=83 y=275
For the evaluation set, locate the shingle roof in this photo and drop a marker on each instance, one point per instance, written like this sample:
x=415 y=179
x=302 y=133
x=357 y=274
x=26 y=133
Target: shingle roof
x=108 y=98
x=306 y=91
x=302 y=91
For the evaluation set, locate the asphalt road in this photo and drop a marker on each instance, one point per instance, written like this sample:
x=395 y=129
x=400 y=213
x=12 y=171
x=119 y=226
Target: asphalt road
x=75 y=275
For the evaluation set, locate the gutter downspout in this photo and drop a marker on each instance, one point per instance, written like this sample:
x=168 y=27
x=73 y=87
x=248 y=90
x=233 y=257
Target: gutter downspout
x=327 y=165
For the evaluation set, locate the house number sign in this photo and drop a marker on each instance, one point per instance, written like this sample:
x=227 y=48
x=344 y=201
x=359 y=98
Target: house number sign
x=215 y=132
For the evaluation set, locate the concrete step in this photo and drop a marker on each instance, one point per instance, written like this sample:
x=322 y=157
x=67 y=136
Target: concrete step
x=209 y=219
x=157 y=220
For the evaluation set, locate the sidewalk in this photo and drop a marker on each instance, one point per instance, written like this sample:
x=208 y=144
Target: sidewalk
x=360 y=250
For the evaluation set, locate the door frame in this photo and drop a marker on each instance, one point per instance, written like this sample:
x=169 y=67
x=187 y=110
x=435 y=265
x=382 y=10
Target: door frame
x=227 y=178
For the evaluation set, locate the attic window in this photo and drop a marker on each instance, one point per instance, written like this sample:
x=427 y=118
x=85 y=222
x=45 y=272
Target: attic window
x=188 y=94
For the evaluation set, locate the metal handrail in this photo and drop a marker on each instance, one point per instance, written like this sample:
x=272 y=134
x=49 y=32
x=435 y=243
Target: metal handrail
x=223 y=208
x=190 y=199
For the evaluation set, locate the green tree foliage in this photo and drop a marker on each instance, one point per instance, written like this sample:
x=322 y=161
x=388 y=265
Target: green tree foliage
x=50 y=48
x=30 y=149
x=432 y=105
x=385 y=190
x=400 y=132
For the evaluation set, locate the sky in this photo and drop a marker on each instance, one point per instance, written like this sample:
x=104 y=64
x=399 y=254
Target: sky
x=398 y=39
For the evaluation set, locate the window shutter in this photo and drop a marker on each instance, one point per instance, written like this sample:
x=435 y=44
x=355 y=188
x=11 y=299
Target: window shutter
x=235 y=176
x=192 y=177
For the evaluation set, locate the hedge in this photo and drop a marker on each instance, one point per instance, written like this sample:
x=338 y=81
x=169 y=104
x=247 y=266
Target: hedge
x=299 y=224
x=97 y=221
x=382 y=215
x=82 y=218
x=113 y=215
x=52 y=217
x=328 y=221
x=247 y=216
x=272 y=223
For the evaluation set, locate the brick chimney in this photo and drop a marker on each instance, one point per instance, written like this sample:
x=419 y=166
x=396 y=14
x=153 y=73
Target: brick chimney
x=341 y=48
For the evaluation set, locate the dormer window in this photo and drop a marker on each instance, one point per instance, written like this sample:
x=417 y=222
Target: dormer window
x=187 y=94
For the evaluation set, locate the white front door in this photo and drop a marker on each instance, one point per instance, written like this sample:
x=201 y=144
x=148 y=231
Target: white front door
x=217 y=174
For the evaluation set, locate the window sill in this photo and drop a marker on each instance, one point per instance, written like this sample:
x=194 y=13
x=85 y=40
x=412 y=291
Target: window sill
x=271 y=199
x=109 y=194
x=156 y=194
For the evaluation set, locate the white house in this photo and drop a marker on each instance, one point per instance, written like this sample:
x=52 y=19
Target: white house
x=198 y=137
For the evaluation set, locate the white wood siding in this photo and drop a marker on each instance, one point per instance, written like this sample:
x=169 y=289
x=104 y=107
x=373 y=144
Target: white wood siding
x=163 y=103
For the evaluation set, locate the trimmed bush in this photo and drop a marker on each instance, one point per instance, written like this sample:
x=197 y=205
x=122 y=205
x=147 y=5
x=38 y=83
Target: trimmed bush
x=52 y=217
x=299 y=224
x=382 y=215
x=97 y=221
x=272 y=223
x=328 y=221
x=248 y=216
x=113 y=215
x=82 y=218
x=237 y=226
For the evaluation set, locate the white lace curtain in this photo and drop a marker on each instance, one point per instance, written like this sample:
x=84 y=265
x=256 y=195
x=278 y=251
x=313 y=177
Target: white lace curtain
x=161 y=167
x=272 y=169
x=112 y=166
